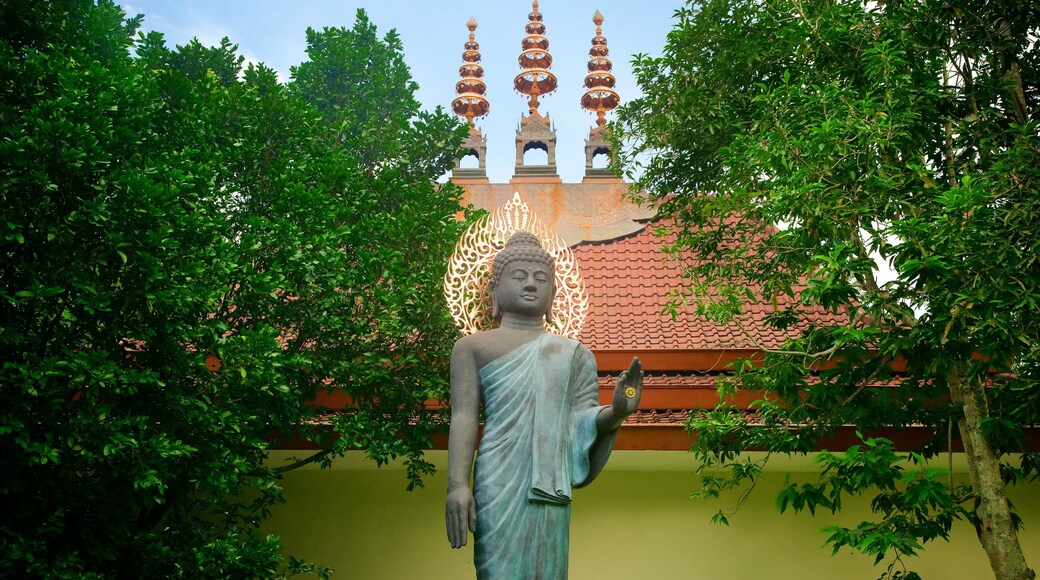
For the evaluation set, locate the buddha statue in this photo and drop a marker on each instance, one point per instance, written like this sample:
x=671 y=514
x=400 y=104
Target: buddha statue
x=544 y=430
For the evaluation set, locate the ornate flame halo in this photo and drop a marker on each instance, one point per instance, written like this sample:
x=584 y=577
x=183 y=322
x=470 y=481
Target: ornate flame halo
x=469 y=271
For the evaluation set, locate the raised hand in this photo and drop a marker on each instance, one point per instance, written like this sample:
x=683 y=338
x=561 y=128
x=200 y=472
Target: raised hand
x=628 y=391
x=626 y=398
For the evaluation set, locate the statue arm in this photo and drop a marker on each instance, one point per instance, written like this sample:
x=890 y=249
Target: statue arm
x=597 y=425
x=460 y=511
x=627 y=392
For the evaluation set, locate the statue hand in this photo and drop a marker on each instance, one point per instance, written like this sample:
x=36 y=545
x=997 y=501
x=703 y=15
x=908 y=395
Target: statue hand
x=460 y=515
x=628 y=390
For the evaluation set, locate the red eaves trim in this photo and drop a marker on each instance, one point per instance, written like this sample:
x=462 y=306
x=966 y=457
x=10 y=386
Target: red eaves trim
x=694 y=359
x=700 y=359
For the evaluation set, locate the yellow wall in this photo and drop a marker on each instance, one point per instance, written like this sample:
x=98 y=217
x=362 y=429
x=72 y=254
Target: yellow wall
x=635 y=521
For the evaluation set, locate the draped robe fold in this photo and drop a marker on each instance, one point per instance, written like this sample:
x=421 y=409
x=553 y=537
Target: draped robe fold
x=539 y=442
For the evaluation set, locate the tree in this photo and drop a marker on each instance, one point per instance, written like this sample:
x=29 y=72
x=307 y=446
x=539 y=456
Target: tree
x=802 y=148
x=191 y=253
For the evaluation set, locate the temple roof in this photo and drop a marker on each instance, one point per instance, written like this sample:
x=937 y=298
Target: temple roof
x=629 y=281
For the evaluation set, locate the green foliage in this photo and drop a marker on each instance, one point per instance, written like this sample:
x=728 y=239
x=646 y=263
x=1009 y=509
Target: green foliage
x=915 y=505
x=801 y=146
x=191 y=252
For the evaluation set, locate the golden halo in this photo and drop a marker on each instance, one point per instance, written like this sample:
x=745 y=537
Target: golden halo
x=469 y=271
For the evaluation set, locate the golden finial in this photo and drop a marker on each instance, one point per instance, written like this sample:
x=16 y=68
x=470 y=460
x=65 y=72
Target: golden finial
x=470 y=102
x=600 y=96
x=534 y=78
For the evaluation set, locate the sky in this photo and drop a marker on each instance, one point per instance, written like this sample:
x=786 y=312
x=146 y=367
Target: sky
x=433 y=34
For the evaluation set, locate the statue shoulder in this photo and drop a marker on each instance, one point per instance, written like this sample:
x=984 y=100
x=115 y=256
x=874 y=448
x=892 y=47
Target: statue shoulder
x=563 y=340
x=467 y=345
x=583 y=354
x=480 y=347
x=578 y=348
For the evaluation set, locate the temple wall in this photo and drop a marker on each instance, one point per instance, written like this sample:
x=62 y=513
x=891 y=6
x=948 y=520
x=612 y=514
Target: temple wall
x=635 y=521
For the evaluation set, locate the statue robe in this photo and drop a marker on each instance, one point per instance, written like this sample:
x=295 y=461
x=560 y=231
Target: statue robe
x=539 y=442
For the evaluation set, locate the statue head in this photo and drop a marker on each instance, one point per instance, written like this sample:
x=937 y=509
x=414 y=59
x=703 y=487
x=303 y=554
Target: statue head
x=522 y=251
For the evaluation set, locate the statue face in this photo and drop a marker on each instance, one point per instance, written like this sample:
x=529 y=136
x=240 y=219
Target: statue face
x=526 y=288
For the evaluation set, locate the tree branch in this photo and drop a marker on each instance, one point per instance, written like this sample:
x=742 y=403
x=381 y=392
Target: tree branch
x=305 y=461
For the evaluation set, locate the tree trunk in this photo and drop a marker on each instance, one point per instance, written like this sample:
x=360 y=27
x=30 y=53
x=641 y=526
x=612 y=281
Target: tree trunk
x=996 y=531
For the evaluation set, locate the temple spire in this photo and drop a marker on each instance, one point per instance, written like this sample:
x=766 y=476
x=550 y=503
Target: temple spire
x=535 y=79
x=600 y=96
x=535 y=130
x=470 y=102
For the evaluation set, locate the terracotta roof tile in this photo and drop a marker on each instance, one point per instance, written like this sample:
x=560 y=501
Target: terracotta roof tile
x=675 y=417
x=657 y=417
x=628 y=281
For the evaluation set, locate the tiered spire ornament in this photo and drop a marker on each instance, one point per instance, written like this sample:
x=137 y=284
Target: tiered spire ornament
x=470 y=102
x=600 y=96
x=535 y=79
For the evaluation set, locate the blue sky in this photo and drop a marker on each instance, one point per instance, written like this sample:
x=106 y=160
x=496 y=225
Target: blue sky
x=273 y=32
